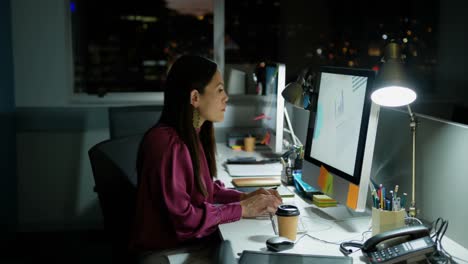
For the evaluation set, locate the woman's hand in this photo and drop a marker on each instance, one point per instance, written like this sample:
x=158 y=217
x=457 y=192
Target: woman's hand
x=262 y=191
x=259 y=204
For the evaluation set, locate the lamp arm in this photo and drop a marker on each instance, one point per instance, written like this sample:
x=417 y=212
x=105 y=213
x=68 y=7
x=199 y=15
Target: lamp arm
x=413 y=125
x=297 y=139
x=288 y=121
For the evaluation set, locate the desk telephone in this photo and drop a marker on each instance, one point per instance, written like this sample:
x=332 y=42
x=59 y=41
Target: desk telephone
x=399 y=245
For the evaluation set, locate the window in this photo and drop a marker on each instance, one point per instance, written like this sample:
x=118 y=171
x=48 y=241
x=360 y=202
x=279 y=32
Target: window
x=128 y=46
x=304 y=33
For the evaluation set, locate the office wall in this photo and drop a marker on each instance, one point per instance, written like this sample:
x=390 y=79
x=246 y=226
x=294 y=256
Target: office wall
x=42 y=61
x=8 y=201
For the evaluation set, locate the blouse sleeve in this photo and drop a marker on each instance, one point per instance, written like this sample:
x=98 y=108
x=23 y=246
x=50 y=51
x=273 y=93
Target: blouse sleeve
x=190 y=220
x=222 y=195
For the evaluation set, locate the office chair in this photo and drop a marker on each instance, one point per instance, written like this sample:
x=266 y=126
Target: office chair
x=114 y=170
x=132 y=120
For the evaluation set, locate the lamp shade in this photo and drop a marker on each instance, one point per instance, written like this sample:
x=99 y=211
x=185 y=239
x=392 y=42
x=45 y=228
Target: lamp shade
x=293 y=93
x=392 y=86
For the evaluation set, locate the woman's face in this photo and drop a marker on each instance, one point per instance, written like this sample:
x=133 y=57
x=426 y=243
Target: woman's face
x=212 y=103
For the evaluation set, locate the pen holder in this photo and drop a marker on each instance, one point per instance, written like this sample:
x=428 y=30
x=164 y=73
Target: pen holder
x=383 y=220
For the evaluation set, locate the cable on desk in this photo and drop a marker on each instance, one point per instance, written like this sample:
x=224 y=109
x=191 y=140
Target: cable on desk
x=411 y=221
x=321 y=240
x=343 y=244
x=326 y=223
x=353 y=243
x=438 y=229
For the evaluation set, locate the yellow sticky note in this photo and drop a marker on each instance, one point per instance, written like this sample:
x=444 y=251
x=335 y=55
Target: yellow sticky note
x=353 y=192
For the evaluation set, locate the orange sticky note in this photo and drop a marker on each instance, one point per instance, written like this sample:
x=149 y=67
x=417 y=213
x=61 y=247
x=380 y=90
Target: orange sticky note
x=322 y=179
x=353 y=191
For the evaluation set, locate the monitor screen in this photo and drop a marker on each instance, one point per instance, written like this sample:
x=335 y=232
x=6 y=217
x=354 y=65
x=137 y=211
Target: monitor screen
x=341 y=134
x=273 y=109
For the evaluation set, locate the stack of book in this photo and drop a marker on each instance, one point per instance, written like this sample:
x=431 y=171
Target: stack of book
x=322 y=200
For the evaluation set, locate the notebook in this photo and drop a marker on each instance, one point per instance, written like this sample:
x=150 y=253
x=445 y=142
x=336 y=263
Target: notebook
x=257 y=182
x=249 y=170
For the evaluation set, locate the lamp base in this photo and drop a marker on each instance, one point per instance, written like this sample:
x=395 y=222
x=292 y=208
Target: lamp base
x=412 y=211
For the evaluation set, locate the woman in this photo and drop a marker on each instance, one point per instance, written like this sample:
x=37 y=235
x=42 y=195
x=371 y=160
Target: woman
x=178 y=203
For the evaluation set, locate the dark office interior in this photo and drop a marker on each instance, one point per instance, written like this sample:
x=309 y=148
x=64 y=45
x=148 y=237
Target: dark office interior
x=53 y=50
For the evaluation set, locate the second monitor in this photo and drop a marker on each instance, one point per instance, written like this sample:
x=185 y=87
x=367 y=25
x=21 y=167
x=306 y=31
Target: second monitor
x=273 y=110
x=341 y=135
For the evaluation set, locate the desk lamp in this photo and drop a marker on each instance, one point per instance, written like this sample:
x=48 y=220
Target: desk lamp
x=300 y=92
x=392 y=88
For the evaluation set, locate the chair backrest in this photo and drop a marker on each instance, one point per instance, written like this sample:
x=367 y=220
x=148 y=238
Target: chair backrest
x=114 y=170
x=132 y=120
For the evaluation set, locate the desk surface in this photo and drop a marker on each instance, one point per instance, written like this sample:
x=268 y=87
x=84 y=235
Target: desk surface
x=324 y=233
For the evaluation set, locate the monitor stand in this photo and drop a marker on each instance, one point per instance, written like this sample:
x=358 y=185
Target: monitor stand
x=341 y=215
x=337 y=213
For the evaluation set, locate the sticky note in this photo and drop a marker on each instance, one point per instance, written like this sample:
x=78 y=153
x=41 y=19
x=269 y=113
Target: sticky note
x=328 y=184
x=353 y=191
x=322 y=177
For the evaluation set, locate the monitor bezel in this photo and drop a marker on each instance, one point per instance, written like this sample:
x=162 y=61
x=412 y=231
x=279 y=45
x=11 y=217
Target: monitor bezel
x=277 y=133
x=370 y=74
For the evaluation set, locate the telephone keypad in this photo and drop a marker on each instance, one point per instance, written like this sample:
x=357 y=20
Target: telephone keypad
x=402 y=251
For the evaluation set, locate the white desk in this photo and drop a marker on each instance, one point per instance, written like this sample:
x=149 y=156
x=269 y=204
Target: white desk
x=251 y=234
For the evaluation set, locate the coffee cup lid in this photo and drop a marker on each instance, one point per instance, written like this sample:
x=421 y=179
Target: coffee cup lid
x=287 y=210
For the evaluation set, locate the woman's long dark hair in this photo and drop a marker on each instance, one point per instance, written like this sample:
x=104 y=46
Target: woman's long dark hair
x=189 y=73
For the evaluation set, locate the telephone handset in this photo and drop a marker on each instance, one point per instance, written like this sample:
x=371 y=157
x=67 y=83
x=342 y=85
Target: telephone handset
x=398 y=245
x=407 y=233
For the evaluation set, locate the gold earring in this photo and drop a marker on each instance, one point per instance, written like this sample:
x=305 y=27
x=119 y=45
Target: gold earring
x=196 y=118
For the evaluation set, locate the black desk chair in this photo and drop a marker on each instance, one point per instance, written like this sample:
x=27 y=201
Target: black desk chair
x=114 y=170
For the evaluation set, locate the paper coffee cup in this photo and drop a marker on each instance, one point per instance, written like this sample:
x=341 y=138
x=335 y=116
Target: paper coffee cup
x=288 y=216
x=249 y=144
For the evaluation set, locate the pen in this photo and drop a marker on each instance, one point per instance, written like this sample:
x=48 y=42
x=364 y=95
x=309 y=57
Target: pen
x=396 y=204
x=373 y=198
x=390 y=201
x=379 y=194
x=273 y=223
x=388 y=205
x=382 y=201
x=403 y=200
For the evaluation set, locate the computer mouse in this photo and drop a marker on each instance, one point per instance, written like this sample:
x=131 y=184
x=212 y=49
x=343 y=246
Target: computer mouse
x=279 y=243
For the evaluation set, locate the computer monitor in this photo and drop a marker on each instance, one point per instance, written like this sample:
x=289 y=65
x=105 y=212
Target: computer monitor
x=273 y=109
x=341 y=135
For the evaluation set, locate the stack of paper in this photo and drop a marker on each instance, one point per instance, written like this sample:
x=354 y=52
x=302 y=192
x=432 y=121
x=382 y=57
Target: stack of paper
x=250 y=170
x=322 y=200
